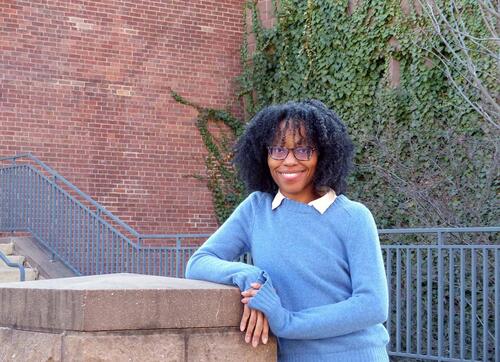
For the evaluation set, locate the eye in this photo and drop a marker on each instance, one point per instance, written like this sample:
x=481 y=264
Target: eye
x=303 y=152
x=278 y=152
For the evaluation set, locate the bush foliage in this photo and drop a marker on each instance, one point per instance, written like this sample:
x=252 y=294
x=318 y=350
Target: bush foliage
x=424 y=156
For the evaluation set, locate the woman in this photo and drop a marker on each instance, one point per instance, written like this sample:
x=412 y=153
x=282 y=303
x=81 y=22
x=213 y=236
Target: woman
x=318 y=278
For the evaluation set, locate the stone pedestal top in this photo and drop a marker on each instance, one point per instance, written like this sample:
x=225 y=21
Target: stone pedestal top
x=116 y=282
x=118 y=302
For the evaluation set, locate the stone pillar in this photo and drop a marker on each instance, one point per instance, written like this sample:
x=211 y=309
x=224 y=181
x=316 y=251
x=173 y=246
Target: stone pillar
x=124 y=317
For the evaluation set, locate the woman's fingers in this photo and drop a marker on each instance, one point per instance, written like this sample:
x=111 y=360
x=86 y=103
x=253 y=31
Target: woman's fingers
x=252 y=291
x=256 y=325
x=255 y=285
x=251 y=325
x=244 y=317
x=257 y=332
x=249 y=293
x=265 y=331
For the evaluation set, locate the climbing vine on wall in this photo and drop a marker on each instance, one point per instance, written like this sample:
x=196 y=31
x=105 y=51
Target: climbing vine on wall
x=227 y=191
x=423 y=156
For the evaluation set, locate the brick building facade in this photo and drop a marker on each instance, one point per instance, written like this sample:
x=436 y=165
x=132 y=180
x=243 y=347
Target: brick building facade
x=85 y=87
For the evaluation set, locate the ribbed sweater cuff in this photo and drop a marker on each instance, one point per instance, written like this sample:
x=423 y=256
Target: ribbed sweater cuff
x=268 y=302
x=244 y=278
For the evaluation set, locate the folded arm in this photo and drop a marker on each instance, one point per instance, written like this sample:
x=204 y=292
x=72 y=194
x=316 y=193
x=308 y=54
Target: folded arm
x=214 y=260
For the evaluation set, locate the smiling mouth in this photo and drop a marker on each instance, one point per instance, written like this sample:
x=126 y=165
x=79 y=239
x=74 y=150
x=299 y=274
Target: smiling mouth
x=290 y=175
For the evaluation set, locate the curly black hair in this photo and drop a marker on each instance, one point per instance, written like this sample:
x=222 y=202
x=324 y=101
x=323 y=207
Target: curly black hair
x=323 y=130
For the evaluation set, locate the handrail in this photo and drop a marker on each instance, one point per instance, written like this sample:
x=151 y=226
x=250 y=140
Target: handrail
x=172 y=236
x=90 y=211
x=96 y=214
x=87 y=198
x=6 y=260
x=78 y=230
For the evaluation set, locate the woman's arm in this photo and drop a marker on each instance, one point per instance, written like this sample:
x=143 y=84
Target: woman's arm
x=367 y=306
x=213 y=261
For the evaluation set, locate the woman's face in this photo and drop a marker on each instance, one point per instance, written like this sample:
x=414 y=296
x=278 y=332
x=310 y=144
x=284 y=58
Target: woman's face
x=294 y=177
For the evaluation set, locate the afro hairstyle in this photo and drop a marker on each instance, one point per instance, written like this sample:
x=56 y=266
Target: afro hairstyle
x=323 y=130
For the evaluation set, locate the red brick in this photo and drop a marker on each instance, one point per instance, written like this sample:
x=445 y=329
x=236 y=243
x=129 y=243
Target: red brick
x=85 y=88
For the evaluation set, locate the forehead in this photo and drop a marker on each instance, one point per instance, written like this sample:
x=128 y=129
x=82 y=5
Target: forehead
x=290 y=130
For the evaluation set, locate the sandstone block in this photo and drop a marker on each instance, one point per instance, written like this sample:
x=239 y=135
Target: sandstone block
x=86 y=347
x=17 y=345
x=227 y=346
x=124 y=317
x=118 y=302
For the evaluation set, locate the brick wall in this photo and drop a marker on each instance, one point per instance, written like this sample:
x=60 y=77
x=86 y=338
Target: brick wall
x=84 y=85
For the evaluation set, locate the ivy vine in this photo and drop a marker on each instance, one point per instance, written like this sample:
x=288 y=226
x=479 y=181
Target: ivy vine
x=424 y=157
x=227 y=191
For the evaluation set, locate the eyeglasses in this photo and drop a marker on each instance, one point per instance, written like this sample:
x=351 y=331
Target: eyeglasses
x=303 y=153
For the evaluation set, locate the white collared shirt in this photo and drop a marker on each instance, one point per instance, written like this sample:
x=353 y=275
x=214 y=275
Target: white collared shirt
x=321 y=204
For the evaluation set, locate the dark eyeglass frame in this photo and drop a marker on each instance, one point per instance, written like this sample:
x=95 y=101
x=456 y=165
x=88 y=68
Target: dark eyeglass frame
x=308 y=151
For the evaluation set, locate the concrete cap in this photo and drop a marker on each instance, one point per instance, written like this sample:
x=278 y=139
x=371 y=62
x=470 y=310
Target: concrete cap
x=118 y=302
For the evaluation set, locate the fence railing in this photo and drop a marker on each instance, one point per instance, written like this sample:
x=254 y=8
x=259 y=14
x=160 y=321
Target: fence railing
x=444 y=282
x=444 y=297
x=77 y=230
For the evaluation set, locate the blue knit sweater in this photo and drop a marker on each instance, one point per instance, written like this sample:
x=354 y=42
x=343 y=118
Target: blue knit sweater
x=323 y=290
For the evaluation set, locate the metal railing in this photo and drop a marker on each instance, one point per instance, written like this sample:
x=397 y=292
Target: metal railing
x=444 y=293
x=77 y=230
x=22 y=273
x=444 y=282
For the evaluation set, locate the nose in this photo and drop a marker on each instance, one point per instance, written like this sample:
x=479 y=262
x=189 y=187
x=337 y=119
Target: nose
x=290 y=159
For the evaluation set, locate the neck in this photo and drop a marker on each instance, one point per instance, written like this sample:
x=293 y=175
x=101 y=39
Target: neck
x=305 y=198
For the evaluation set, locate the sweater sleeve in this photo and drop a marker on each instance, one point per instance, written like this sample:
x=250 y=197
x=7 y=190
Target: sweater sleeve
x=214 y=260
x=367 y=306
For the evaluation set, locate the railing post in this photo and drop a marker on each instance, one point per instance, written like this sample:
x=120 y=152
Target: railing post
x=138 y=254
x=53 y=220
x=440 y=238
x=98 y=242
x=440 y=293
x=497 y=303
x=14 y=195
x=177 y=256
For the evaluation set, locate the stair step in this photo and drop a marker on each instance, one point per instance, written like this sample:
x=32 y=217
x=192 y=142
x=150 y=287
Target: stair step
x=8 y=275
x=19 y=259
x=7 y=249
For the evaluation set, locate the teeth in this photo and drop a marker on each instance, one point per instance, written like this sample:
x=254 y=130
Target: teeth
x=290 y=175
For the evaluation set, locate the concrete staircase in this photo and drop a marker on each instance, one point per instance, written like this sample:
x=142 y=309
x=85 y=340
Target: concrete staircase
x=12 y=274
x=38 y=261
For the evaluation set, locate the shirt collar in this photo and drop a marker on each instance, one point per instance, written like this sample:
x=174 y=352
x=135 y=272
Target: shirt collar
x=321 y=204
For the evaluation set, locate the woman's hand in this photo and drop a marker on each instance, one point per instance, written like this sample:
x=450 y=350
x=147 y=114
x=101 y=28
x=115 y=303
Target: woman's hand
x=250 y=293
x=254 y=321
